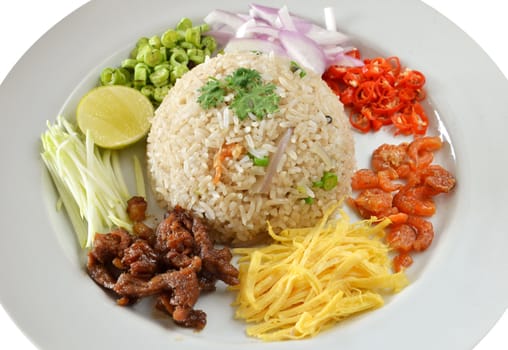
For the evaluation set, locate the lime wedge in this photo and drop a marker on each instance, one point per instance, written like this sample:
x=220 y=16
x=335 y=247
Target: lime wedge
x=116 y=116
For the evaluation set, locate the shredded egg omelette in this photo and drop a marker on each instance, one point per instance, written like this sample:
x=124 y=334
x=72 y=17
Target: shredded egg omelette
x=312 y=278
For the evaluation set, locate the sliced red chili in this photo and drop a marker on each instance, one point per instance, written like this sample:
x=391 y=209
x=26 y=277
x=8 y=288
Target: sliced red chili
x=421 y=95
x=335 y=72
x=353 y=77
x=420 y=121
x=381 y=93
x=376 y=124
x=413 y=79
x=375 y=68
x=346 y=96
x=384 y=119
x=354 y=53
x=359 y=121
x=364 y=94
x=401 y=123
x=334 y=85
x=407 y=94
x=394 y=63
x=387 y=105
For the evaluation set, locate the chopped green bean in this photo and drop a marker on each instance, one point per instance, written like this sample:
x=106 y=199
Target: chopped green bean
x=147 y=90
x=327 y=182
x=184 y=24
x=142 y=42
x=129 y=63
x=160 y=92
x=157 y=61
x=209 y=42
x=318 y=184
x=193 y=36
x=195 y=55
x=164 y=53
x=295 y=68
x=160 y=77
x=177 y=72
x=187 y=45
x=142 y=65
x=204 y=27
x=309 y=200
x=153 y=57
x=125 y=76
x=141 y=52
x=134 y=53
x=140 y=75
x=330 y=181
x=107 y=76
x=113 y=76
x=170 y=38
x=178 y=57
x=155 y=42
x=165 y=65
x=207 y=52
x=259 y=161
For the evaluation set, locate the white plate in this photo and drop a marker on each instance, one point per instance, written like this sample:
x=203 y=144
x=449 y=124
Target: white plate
x=456 y=295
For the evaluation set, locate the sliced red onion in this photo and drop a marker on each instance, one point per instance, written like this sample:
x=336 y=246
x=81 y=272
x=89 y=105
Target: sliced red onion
x=303 y=50
x=241 y=31
x=255 y=30
x=333 y=51
x=275 y=161
x=221 y=17
x=330 y=22
x=302 y=25
x=325 y=37
x=342 y=59
x=252 y=44
x=277 y=30
x=244 y=16
x=221 y=35
x=285 y=20
x=267 y=13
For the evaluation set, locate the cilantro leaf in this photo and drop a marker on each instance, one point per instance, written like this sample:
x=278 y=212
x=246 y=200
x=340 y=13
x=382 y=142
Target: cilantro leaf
x=251 y=95
x=260 y=100
x=212 y=94
x=243 y=79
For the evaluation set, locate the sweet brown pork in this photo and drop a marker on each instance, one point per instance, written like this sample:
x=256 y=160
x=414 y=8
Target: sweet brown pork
x=175 y=263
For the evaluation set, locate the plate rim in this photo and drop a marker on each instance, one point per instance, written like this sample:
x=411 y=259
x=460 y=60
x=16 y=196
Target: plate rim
x=464 y=166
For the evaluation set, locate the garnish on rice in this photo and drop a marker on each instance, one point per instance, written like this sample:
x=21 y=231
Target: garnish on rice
x=251 y=95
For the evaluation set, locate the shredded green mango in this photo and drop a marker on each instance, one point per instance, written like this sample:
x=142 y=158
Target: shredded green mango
x=89 y=181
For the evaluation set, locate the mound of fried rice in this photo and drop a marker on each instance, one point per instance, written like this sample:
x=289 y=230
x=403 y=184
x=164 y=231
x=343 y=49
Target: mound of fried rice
x=185 y=138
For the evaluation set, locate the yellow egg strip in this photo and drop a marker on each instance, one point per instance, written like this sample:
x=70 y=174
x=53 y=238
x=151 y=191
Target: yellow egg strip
x=312 y=278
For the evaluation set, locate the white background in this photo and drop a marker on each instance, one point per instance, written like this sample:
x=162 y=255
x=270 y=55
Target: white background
x=22 y=22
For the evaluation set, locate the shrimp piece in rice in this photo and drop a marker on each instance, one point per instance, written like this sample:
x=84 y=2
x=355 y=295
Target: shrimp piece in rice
x=231 y=150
